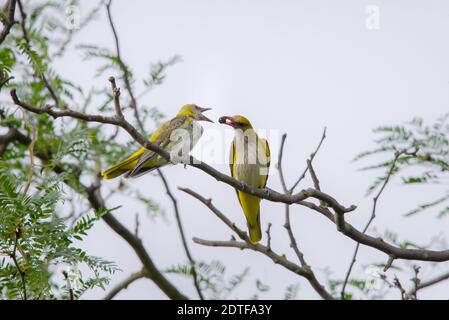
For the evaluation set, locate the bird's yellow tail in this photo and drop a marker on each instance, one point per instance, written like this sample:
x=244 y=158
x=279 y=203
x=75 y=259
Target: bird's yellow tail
x=255 y=233
x=122 y=167
x=112 y=173
x=251 y=207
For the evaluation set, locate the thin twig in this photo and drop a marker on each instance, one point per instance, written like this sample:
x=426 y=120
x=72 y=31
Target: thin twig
x=125 y=283
x=16 y=263
x=416 y=281
x=287 y=225
x=372 y=217
x=137 y=225
x=208 y=202
x=3 y=80
x=266 y=250
x=97 y=202
x=312 y=156
x=27 y=40
x=10 y=8
x=269 y=194
x=424 y=284
x=279 y=164
x=116 y=95
x=181 y=232
x=124 y=68
x=398 y=285
x=268 y=236
x=31 y=151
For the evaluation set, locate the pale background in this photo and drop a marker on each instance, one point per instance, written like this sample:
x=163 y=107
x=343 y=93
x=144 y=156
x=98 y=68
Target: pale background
x=294 y=66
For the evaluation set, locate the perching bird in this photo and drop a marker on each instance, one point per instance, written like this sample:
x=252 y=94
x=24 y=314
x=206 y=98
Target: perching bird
x=167 y=136
x=249 y=163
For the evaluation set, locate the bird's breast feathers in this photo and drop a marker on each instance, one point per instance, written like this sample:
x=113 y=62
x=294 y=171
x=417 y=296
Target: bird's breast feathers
x=250 y=160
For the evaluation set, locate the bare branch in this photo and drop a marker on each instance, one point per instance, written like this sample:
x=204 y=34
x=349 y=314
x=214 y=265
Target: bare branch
x=377 y=242
x=181 y=232
x=269 y=194
x=13 y=256
x=97 y=202
x=27 y=40
x=31 y=152
x=116 y=95
x=416 y=281
x=313 y=175
x=10 y=136
x=398 y=285
x=293 y=243
x=124 y=68
x=4 y=80
x=10 y=9
x=279 y=164
x=268 y=235
x=424 y=284
x=312 y=156
x=372 y=217
x=125 y=283
x=266 y=250
x=208 y=202
x=281 y=260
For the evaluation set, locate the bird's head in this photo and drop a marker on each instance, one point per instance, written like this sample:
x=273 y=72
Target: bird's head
x=237 y=122
x=194 y=111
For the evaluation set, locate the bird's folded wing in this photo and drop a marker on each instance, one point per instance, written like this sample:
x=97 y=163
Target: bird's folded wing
x=266 y=149
x=161 y=137
x=146 y=156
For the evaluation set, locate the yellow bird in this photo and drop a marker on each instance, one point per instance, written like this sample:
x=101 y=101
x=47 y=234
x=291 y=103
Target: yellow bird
x=183 y=127
x=249 y=163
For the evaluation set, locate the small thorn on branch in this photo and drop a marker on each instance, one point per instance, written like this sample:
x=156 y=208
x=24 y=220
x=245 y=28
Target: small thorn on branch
x=389 y=263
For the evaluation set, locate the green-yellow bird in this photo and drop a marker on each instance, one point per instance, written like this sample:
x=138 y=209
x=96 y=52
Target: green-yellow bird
x=249 y=163
x=182 y=131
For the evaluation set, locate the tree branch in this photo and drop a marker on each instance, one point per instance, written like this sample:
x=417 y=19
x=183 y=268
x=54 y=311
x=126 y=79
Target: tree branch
x=125 y=283
x=10 y=9
x=277 y=259
x=372 y=217
x=116 y=96
x=10 y=136
x=269 y=194
x=377 y=242
x=181 y=232
x=266 y=193
x=312 y=156
x=305 y=272
x=279 y=164
x=431 y=282
x=97 y=202
x=27 y=40
x=13 y=256
x=287 y=225
x=124 y=68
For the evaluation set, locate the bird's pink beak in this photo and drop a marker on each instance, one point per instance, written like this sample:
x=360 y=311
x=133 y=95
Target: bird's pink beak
x=228 y=120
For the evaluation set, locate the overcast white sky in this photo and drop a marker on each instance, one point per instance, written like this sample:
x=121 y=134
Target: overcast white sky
x=292 y=66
